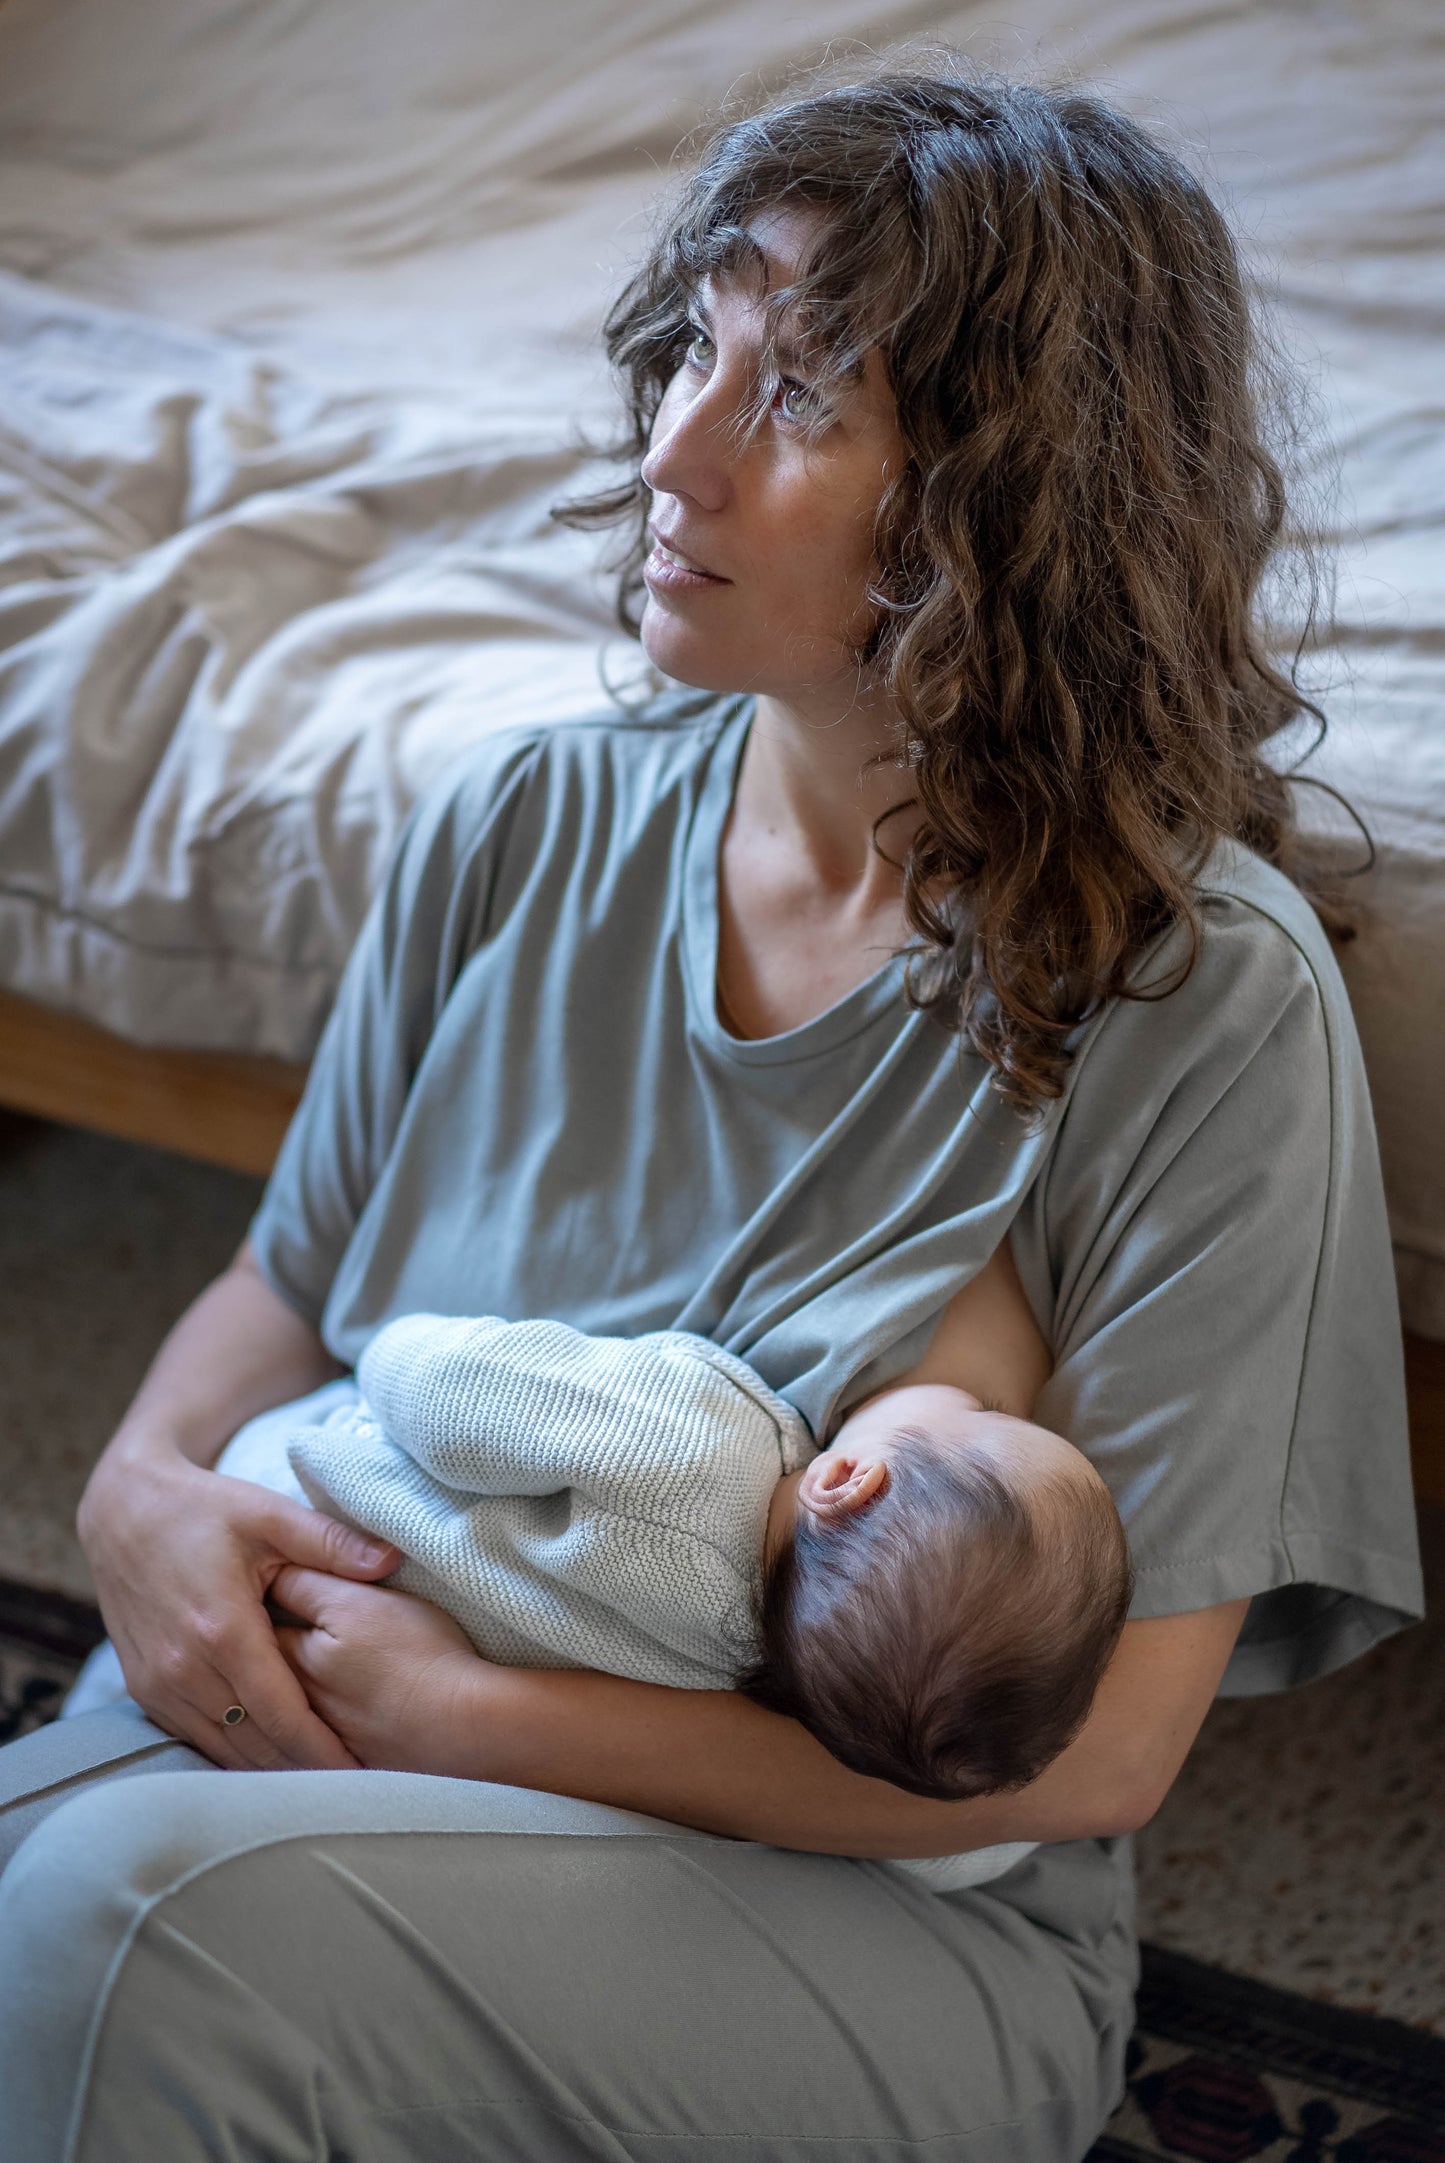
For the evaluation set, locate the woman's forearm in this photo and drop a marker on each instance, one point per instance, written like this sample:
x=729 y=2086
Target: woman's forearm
x=714 y=1760
x=237 y=1350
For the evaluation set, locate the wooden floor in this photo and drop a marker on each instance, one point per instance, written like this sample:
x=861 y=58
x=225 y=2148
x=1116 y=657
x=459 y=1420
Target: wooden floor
x=233 y=1110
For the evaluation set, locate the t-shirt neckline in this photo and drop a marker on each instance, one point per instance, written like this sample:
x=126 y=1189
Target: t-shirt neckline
x=858 y=1009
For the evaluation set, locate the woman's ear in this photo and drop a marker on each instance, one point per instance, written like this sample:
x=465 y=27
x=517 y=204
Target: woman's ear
x=839 y=1482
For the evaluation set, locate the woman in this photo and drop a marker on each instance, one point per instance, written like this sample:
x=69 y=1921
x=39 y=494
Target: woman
x=951 y=507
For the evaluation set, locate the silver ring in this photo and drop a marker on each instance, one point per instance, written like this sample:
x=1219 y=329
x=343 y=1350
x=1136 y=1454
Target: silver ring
x=233 y=1715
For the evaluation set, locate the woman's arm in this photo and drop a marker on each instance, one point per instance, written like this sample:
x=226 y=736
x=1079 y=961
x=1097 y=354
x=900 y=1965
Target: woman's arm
x=237 y=1350
x=183 y=1558
x=716 y=1761
x=397 y=1680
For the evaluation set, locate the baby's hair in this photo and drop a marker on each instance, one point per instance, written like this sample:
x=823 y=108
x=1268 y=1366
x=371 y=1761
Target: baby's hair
x=949 y=1636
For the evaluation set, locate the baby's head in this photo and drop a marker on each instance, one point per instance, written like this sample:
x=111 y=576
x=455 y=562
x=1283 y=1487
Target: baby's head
x=942 y=1591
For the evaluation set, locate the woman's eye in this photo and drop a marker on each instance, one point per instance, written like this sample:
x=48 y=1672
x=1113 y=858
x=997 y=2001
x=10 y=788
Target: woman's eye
x=799 y=403
x=699 y=348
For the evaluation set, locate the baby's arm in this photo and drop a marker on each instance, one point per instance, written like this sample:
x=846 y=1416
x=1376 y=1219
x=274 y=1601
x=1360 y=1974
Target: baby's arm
x=442 y=1391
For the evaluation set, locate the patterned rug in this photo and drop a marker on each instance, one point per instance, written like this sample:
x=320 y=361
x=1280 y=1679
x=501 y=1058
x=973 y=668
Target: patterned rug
x=1224 y=2070
x=1221 y=2070
x=43 y=1639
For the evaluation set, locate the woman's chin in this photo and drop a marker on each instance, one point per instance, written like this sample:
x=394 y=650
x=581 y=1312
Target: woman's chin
x=682 y=653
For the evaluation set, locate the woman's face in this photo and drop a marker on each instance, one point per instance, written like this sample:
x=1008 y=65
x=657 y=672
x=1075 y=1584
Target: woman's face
x=780 y=527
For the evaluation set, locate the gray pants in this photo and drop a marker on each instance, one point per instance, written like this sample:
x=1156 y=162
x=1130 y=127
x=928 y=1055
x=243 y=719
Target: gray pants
x=288 y=1967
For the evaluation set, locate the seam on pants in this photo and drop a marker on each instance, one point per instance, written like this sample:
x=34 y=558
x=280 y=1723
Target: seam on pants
x=88 y=1775
x=517 y=2043
x=179 y=1884
x=902 y=2142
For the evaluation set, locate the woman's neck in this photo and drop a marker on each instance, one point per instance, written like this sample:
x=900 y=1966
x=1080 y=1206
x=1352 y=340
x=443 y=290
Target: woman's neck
x=807 y=906
x=817 y=776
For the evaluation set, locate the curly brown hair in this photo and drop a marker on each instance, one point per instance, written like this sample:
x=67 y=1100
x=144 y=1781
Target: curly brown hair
x=1069 y=566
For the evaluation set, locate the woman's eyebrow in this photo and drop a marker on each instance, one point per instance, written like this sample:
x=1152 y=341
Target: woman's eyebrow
x=786 y=353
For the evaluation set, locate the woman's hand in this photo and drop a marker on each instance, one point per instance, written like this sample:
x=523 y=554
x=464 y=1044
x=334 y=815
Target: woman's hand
x=389 y=1674
x=183 y=1560
x=183 y=1557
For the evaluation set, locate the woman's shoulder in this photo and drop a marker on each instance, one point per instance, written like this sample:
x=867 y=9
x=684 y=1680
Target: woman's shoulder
x=535 y=800
x=1266 y=915
x=640 y=749
x=1256 y=953
x=1246 y=1003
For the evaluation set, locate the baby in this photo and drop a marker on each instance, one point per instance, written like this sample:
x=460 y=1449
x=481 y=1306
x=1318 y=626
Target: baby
x=935 y=1596
x=942 y=1591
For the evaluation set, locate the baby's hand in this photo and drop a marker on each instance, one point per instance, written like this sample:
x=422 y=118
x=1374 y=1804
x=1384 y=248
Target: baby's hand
x=389 y=1673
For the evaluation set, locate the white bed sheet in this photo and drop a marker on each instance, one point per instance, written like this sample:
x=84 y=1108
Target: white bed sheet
x=298 y=307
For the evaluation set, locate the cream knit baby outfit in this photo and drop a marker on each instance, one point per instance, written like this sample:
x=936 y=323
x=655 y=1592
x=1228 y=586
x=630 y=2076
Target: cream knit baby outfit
x=573 y=1501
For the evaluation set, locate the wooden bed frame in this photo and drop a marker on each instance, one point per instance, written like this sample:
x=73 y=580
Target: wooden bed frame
x=226 y=1107
x=231 y=1109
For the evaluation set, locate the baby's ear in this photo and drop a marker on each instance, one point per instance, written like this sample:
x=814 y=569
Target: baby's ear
x=839 y=1482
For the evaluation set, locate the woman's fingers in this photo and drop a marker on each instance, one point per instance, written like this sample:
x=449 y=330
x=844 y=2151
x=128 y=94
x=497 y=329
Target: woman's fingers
x=295 y=1646
x=201 y=1723
x=191 y=1693
x=278 y=1714
x=266 y=1740
x=244 y=1747
x=318 y=1542
x=161 y=1688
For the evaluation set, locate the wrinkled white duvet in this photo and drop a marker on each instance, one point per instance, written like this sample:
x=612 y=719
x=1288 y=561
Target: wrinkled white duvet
x=298 y=311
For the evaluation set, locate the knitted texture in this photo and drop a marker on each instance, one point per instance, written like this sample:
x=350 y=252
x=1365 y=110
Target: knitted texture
x=572 y=1501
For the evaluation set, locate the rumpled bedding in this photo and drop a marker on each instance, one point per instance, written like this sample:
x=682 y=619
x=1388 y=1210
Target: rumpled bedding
x=298 y=344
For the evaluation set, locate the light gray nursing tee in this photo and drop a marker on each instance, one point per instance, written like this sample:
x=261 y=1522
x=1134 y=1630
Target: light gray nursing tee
x=525 y=1104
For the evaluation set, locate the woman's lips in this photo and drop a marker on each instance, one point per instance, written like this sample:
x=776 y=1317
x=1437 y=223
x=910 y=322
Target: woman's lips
x=669 y=571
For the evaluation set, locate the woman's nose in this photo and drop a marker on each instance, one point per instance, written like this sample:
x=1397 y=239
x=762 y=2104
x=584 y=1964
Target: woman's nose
x=687 y=455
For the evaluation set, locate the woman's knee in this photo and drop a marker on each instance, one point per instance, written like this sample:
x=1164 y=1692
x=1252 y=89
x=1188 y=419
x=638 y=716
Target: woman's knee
x=42 y=1772
x=140 y=1927
x=71 y=1901
x=173 y=1950
x=96 y=1902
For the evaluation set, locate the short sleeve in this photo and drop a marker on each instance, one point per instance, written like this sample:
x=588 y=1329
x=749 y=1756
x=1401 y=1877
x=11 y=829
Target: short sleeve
x=440 y=898
x=1211 y=1255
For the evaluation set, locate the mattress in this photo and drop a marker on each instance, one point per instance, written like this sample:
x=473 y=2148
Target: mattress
x=298 y=315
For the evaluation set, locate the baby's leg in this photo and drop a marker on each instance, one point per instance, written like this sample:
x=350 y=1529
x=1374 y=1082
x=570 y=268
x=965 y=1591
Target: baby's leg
x=99 y=1684
x=257 y=1451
